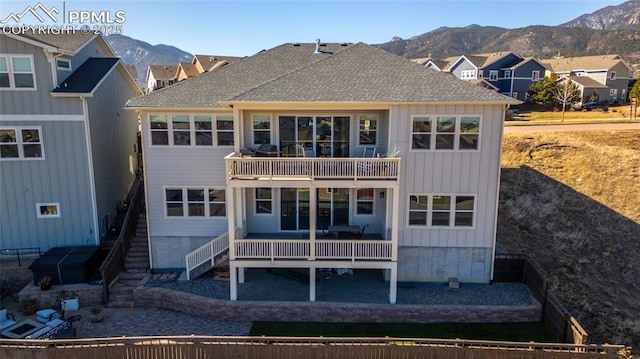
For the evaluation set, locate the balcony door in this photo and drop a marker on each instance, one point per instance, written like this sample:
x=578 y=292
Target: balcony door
x=327 y=136
x=333 y=207
x=294 y=209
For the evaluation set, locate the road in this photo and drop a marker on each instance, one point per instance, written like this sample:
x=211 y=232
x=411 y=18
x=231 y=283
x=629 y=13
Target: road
x=568 y=128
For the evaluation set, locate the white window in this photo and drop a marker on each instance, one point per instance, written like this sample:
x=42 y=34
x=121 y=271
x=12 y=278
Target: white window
x=48 y=210
x=441 y=210
x=468 y=74
x=480 y=74
x=20 y=143
x=264 y=201
x=493 y=75
x=514 y=95
x=261 y=129
x=613 y=93
x=612 y=76
x=63 y=64
x=364 y=201
x=367 y=130
x=535 y=75
x=195 y=202
x=16 y=72
x=224 y=126
x=185 y=130
x=507 y=74
x=445 y=132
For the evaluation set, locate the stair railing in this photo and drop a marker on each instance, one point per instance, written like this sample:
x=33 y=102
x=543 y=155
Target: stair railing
x=206 y=253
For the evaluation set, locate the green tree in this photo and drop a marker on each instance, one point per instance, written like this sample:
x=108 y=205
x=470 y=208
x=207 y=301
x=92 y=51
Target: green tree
x=566 y=93
x=635 y=90
x=541 y=92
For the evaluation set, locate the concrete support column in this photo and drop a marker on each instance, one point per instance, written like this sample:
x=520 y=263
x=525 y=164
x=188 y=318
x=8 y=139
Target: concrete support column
x=393 y=284
x=312 y=284
x=233 y=282
x=241 y=272
x=312 y=223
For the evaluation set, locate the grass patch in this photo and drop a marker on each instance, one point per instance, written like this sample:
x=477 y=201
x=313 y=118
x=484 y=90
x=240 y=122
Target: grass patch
x=479 y=331
x=614 y=115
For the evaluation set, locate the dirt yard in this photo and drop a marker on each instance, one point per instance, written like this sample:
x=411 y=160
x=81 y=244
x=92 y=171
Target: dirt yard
x=571 y=200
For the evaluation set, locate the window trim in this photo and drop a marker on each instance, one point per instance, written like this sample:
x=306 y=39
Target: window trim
x=63 y=68
x=372 y=201
x=457 y=134
x=48 y=204
x=20 y=143
x=185 y=202
x=452 y=211
x=193 y=140
x=256 y=200
x=507 y=74
x=612 y=75
x=253 y=128
x=11 y=73
x=374 y=118
x=493 y=75
x=535 y=75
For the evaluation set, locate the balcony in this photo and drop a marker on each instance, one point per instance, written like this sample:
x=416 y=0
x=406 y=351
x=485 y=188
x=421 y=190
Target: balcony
x=325 y=168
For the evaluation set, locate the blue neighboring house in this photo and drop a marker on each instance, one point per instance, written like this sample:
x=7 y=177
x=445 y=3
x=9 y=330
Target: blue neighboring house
x=505 y=72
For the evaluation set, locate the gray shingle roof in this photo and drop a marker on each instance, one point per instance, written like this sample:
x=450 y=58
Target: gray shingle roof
x=342 y=73
x=86 y=77
x=69 y=42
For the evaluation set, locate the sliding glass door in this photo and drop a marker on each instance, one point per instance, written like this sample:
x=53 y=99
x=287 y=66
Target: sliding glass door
x=326 y=136
x=333 y=207
x=294 y=209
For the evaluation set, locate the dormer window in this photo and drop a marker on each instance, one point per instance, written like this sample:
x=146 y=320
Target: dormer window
x=63 y=64
x=16 y=72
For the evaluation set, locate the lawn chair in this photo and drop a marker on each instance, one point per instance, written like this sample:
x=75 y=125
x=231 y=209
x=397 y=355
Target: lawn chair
x=5 y=322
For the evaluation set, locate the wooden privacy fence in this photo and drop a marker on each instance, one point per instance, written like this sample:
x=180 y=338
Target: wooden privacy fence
x=114 y=263
x=521 y=268
x=288 y=347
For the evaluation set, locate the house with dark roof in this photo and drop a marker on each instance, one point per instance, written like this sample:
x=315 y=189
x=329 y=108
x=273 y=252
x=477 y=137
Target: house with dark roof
x=608 y=70
x=67 y=147
x=186 y=70
x=507 y=72
x=159 y=76
x=303 y=157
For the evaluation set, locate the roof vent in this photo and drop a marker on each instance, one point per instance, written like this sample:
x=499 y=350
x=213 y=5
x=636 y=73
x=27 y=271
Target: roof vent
x=318 y=51
x=344 y=44
x=296 y=44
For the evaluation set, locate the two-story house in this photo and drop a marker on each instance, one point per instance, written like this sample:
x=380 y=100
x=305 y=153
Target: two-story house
x=608 y=70
x=381 y=165
x=159 y=76
x=505 y=72
x=67 y=147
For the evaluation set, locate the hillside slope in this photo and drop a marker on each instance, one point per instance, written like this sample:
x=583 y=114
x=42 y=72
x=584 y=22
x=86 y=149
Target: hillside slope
x=570 y=201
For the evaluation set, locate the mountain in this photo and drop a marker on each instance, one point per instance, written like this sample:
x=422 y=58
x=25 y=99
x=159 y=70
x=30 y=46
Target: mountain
x=142 y=54
x=623 y=16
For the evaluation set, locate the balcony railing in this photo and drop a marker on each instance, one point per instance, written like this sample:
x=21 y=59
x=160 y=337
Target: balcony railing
x=352 y=250
x=312 y=168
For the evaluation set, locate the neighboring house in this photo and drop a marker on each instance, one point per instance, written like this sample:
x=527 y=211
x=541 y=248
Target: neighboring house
x=159 y=76
x=321 y=116
x=204 y=63
x=186 y=70
x=608 y=70
x=507 y=72
x=589 y=88
x=67 y=146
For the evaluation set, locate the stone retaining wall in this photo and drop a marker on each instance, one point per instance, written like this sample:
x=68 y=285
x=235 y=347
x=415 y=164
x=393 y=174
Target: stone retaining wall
x=87 y=294
x=331 y=312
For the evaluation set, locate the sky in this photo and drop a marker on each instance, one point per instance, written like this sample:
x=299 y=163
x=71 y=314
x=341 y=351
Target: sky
x=243 y=28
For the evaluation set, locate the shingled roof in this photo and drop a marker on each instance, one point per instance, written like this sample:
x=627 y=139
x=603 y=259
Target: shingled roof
x=85 y=79
x=67 y=42
x=598 y=62
x=340 y=73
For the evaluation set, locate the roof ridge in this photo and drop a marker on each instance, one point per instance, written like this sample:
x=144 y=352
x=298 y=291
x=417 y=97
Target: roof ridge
x=292 y=71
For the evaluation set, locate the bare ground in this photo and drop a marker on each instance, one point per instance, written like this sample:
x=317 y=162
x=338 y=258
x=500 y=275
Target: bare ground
x=571 y=200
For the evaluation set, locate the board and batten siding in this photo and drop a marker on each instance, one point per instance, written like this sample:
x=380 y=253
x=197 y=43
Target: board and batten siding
x=38 y=101
x=113 y=135
x=449 y=172
x=62 y=177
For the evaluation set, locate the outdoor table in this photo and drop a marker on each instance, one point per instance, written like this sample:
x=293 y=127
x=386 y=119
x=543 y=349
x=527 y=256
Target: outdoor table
x=343 y=229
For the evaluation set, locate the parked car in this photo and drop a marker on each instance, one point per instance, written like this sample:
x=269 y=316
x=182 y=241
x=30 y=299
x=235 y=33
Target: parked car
x=591 y=106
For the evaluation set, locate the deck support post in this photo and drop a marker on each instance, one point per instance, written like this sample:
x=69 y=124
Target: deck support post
x=393 y=284
x=241 y=271
x=312 y=284
x=233 y=282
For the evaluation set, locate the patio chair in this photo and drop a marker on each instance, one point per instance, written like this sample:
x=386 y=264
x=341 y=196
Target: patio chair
x=369 y=152
x=5 y=322
x=359 y=235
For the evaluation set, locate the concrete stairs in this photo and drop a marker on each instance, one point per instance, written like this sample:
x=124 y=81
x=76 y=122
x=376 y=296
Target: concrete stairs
x=136 y=268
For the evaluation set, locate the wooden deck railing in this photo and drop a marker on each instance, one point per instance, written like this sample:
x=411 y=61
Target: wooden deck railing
x=312 y=168
x=207 y=252
x=338 y=249
x=114 y=263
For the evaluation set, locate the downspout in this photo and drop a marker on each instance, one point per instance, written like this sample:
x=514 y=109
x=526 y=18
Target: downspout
x=511 y=87
x=92 y=180
x=495 y=221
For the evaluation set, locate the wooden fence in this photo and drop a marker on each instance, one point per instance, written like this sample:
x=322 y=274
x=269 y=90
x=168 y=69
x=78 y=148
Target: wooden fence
x=114 y=263
x=288 y=347
x=521 y=268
